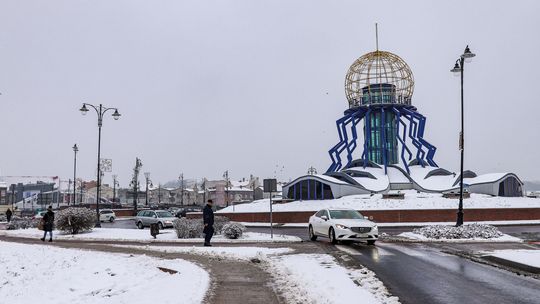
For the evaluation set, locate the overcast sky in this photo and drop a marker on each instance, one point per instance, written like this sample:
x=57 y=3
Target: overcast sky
x=248 y=86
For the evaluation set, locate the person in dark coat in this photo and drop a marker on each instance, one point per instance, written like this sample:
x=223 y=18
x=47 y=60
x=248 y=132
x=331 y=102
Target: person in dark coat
x=8 y=215
x=208 y=219
x=48 y=223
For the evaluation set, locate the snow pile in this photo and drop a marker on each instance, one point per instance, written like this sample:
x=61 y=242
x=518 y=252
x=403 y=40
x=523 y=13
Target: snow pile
x=167 y=235
x=237 y=253
x=50 y=275
x=233 y=230
x=471 y=231
x=317 y=278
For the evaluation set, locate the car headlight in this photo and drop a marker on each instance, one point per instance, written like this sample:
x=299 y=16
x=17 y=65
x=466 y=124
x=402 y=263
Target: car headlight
x=374 y=227
x=341 y=226
x=168 y=222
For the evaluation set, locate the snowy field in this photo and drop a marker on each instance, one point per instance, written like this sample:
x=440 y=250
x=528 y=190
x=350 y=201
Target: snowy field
x=317 y=278
x=49 y=275
x=108 y=234
x=412 y=201
x=522 y=256
x=237 y=253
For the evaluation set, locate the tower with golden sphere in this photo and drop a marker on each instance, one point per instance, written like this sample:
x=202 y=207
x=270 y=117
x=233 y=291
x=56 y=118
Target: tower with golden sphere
x=379 y=87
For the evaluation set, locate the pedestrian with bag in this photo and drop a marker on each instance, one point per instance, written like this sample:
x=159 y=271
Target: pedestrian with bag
x=9 y=214
x=48 y=223
x=208 y=219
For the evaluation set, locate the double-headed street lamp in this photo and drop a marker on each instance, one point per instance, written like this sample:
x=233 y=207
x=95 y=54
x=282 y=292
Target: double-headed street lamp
x=458 y=69
x=75 y=150
x=100 y=110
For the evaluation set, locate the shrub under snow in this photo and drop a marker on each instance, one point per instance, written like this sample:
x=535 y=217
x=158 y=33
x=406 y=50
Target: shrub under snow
x=233 y=230
x=21 y=223
x=219 y=222
x=75 y=219
x=188 y=228
x=193 y=228
x=469 y=231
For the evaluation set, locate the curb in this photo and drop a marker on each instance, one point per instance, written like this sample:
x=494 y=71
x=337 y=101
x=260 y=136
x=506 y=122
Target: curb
x=512 y=264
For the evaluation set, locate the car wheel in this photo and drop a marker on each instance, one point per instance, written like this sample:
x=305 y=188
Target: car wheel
x=140 y=225
x=111 y=219
x=312 y=235
x=371 y=242
x=160 y=226
x=332 y=236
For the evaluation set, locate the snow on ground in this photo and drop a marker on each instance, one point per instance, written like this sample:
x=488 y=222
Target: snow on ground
x=45 y=274
x=317 y=278
x=237 y=253
x=117 y=234
x=412 y=201
x=464 y=233
x=522 y=256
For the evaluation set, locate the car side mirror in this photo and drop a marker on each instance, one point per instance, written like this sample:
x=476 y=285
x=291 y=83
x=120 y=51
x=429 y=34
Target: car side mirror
x=324 y=217
x=155 y=216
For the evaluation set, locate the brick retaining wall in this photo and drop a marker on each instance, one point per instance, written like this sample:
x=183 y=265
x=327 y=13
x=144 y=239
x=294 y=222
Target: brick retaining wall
x=395 y=216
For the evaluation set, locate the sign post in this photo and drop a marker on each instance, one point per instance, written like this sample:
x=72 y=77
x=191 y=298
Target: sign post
x=270 y=185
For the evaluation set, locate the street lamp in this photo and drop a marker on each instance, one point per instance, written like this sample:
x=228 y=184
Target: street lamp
x=75 y=150
x=458 y=69
x=115 y=183
x=100 y=111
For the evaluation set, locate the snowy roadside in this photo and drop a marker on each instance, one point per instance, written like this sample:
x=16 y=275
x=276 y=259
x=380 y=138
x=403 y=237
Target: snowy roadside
x=38 y=274
x=130 y=235
x=526 y=257
x=419 y=237
x=412 y=201
x=300 y=278
x=317 y=278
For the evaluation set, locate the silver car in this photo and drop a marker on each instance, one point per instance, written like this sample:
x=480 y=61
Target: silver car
x=161 y=217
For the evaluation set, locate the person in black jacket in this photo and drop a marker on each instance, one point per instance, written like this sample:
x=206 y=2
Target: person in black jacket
x=48 y=223
x=208 y=219
x=8 y=215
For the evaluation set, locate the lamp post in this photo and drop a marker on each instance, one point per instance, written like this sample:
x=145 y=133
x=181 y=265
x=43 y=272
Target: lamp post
x=147 y=179
x=458 y=70
x=75 y=150
x=181 y=178
x=100 y=111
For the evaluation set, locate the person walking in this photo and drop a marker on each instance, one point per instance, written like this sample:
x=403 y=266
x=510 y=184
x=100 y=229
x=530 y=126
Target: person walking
x=8 y=215
x=48 y=223
x=208 y=218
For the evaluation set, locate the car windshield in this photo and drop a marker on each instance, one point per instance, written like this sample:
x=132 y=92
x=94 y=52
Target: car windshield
x=164 y=214
x=106 y=211
x=345 y=214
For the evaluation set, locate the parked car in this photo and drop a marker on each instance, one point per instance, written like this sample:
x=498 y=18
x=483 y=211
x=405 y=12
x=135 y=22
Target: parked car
x=161 y=217
x=39 y=215
x=106 y=215
x=181 y=212
x=342 y=225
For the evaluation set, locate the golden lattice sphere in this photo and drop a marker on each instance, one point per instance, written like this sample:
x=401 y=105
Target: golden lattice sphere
x=379 y=77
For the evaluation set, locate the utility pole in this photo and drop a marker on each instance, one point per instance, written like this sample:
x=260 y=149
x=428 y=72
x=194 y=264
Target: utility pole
x=226 y=176
x=159 y=194
x=135 y=183
x=181 y=178
x=115 y=181
x=147 y=179
x=75 y=150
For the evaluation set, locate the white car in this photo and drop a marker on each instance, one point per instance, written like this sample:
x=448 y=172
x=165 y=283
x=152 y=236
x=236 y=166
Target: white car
x=342 y=225
x=106 y=215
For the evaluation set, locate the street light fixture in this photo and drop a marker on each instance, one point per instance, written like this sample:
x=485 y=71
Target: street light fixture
x=75 y=150
x=458 y=70
x=100 y=111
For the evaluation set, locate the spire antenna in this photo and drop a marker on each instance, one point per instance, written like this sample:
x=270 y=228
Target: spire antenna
x=376 y=37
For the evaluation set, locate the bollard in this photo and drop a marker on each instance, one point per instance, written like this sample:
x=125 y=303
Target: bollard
x=154 y=229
